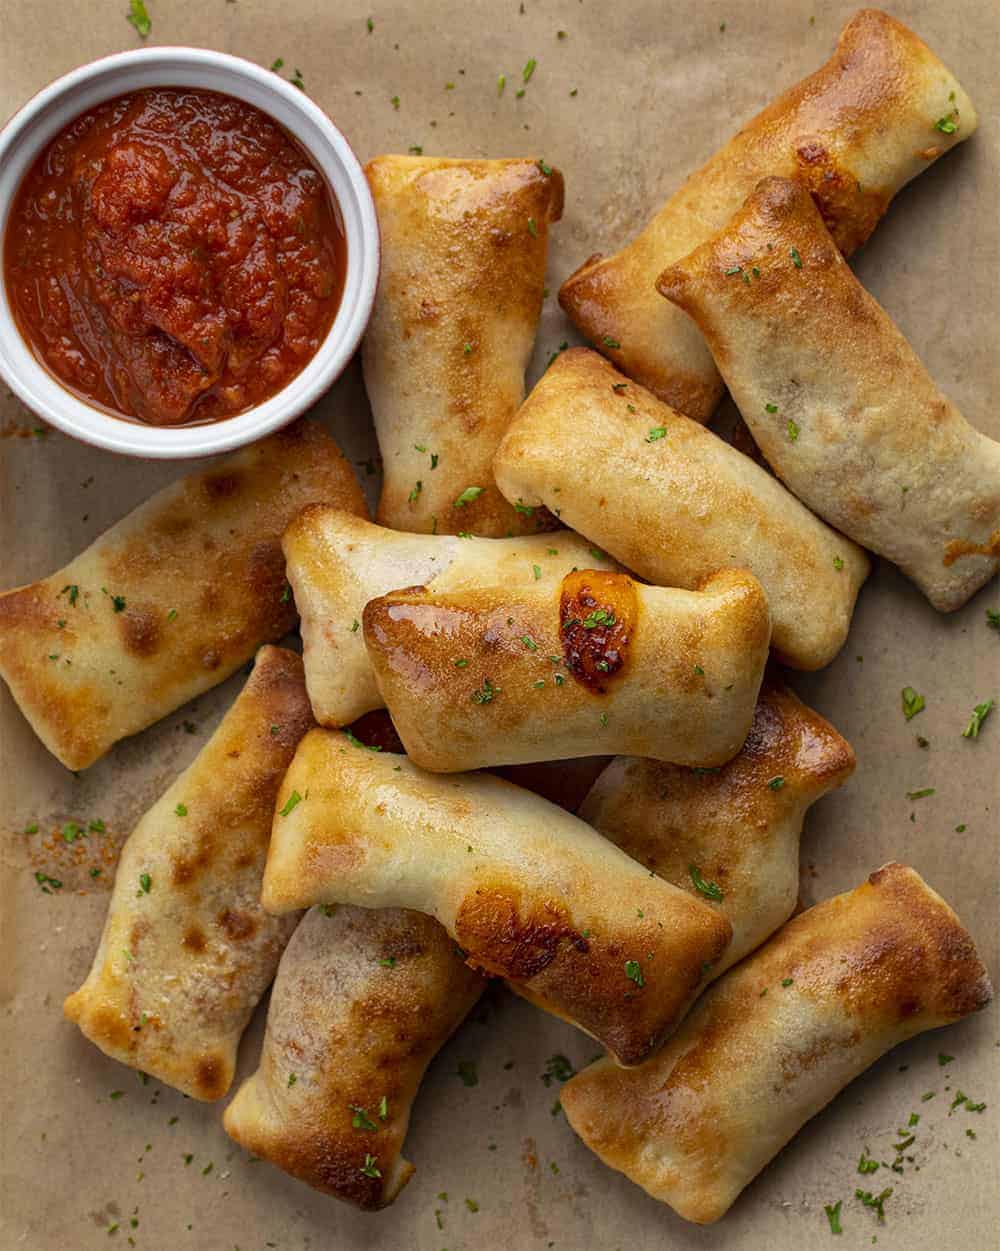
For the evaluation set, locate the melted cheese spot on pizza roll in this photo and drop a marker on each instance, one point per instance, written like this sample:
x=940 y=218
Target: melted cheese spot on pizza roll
x=595 y=663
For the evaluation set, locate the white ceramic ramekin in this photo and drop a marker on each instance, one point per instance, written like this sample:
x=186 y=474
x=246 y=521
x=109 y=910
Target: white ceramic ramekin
x=47 y=113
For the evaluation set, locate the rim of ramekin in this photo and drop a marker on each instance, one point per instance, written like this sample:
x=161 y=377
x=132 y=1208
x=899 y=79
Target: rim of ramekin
x=51 y=109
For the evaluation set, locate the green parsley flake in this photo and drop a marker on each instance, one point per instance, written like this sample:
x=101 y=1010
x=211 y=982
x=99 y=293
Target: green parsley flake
x=361 y=1119
x=485 y=693
x=529 y=69
x=532 y=228
x=466 y=1070
x=992 y=618
x=912 y=702
x=711 y=890
x=370 y=1168
x=946 y=125
x=771 y=408
x=633 y=971
x=537 y=571
x=796 y=258
x=866 y=1164
x=658 y=432
x=874 y=1201
x=546 y=169
x=145 y=883
x=181 y=810
x=776 y=783
x=832 y=1211
x=139 y=18
x=294 y=799
x=793 y=430
x=979 y=715
x=468 y=495
x=838 y=563
x=609 y=342
x=351 y=738
x=417 y=488
x=922 y=794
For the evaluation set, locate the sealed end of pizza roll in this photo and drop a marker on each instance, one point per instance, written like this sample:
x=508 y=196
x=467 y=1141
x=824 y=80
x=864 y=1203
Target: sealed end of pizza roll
x=527 y=890
x=836 y=398
x=171 y=600
x=878 y=112
x=674 y=503
x=771 y=1043
x=187 y=950
x=362 y=1002
x=464 y=246
x=336 y=562
x=729 y=835
x=596 y=663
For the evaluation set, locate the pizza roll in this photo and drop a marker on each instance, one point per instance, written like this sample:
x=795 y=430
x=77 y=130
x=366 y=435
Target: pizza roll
x=674 y=502
x=771 y=1043
x=363 y=1000
x=732 y=834
x=170 y=601
x=595 y=663
x=463 y=270
x=187 y=950
x=878 y=112
x=336 y=562
x=837 y=399
x=527 y=890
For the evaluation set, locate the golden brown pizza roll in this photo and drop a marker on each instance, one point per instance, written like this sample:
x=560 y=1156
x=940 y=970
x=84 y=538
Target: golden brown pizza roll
x=170 y=601
x=527 y=890
x=771 y=1043
x=463 y=270
x=187 y=950
x=730 y=835
x=363 y=1000
x=878 y=112
x=594 y=663
x=675 y=503
x=337 y=562
x=838 y=400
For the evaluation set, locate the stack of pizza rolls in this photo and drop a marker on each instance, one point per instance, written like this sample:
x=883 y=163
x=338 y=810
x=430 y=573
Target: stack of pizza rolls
x=585 y=571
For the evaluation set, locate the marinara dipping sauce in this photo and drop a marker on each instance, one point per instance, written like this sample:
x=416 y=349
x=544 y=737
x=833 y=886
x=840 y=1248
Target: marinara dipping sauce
x=174 y=256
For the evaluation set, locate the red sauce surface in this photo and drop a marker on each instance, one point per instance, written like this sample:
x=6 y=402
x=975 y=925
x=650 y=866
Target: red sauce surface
x=174 y=256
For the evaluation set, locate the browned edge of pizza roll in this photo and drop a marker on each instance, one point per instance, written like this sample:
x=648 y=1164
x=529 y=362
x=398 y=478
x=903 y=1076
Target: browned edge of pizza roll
x=774 y=1040
x=187 y=950
x=171 y=600
x=729 y=835
x=675 y=503
x=840 y=404
x=362 y=1002
x=527 y=890
x=464 y=247
x=596 y=663
x=879 y=111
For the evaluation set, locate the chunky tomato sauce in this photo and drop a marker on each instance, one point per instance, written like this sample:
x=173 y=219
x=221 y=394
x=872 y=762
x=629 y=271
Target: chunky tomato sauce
x=174 y=256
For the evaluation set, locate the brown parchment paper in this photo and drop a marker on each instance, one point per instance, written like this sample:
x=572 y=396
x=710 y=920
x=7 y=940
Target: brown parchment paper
x=626 y=103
